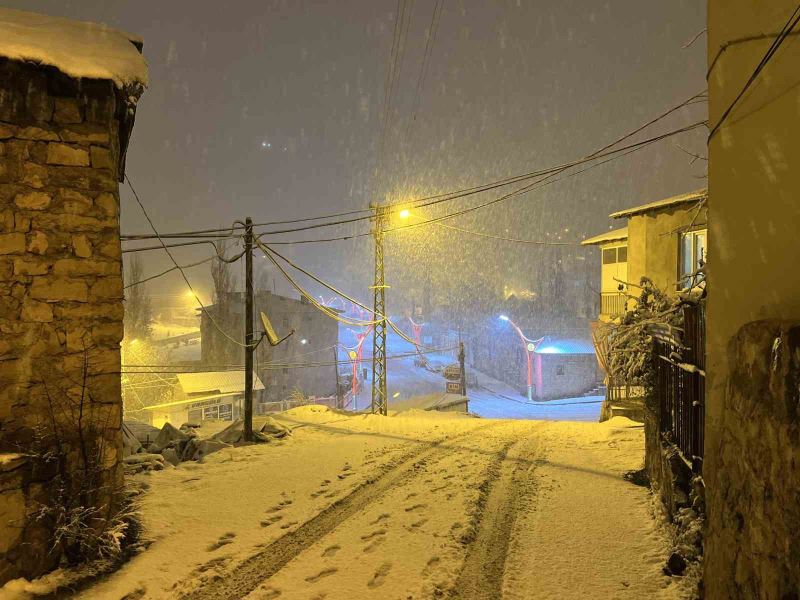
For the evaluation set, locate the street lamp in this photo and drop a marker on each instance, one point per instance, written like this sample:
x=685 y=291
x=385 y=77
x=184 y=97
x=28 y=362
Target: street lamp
x=530 y=349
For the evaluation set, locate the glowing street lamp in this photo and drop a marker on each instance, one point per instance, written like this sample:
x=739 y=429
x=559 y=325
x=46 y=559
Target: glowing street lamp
x=530 y=349
x=405 y=213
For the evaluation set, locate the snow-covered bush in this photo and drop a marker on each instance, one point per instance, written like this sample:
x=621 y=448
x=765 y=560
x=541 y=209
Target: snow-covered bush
x=630 y=341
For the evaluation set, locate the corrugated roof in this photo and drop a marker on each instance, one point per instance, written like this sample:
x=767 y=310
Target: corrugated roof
x=76 y=48
x=214 y=382
x=660 y=204
x=610 y=236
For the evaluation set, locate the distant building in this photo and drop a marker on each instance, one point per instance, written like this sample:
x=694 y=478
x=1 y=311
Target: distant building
x=287 y=366
x=201 y=396
x=613 y=271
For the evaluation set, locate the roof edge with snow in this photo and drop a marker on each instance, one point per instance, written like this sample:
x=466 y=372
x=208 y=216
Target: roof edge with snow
x=78 y=49
x=617 y=235
x=662 y=204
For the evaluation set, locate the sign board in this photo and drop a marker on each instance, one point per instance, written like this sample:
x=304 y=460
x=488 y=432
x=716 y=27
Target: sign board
x=452 y=373
x=453 y=387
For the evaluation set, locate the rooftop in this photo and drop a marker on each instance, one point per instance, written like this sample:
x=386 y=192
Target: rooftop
x=555 y=345
x=661 y=204
x=78 y=49
x=216 y=382
x=610 y=236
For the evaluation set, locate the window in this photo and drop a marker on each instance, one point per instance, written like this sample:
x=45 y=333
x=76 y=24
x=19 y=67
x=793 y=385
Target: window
x=615 y=255
x=691 y=257
x=560 y=370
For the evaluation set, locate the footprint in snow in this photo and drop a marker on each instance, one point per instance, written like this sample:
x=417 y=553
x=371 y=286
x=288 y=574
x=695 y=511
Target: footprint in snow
x=380 y=575
x=381 y=517
x=271 y=521
x=269 y=593
x=416 y=507
x=418 y=524
x=322 y=574
x=289 y=524
x=331 y=551
x=375 y=533
x=222 y=541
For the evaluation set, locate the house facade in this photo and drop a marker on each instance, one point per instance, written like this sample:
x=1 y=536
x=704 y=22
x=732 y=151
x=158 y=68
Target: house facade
x=281 y=368
x=665 y=241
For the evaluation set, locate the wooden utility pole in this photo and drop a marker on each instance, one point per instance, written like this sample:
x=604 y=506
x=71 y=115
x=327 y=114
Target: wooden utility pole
x=339 y=402
x=248 y=331
x=462 y=369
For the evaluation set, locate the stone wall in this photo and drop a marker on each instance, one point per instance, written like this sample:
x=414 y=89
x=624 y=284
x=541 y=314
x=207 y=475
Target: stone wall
x=60 y=297
x=753 y=534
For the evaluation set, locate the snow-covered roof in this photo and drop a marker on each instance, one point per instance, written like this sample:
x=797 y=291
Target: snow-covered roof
x=555 y=345
x=78 y=49
x=610 y=236
x=216 y=382
x=660 y=204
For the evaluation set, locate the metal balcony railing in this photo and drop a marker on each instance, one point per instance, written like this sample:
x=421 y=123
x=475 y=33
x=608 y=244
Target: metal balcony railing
x=612 y=303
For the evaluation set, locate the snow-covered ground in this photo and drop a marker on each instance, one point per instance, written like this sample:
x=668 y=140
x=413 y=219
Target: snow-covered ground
x=414 y=505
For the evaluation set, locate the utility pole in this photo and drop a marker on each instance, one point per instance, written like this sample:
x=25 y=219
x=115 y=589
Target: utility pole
x=248 y=331
x=338 y=389
x=379 y=395
x=462 y=369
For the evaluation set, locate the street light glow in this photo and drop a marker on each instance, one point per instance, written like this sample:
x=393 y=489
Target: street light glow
x=503 y=318
x=405 y=213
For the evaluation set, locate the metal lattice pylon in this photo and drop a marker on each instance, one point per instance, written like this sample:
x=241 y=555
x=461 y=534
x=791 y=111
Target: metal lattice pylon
x=380 y=402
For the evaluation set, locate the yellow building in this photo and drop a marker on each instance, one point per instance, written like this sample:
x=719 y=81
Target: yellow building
x=664 y=241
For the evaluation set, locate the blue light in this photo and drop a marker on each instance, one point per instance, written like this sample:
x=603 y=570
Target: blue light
x=549 y=350
x=503 y=318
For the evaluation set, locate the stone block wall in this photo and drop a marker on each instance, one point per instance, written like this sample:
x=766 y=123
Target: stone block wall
x=60 y=293
x=752 y=541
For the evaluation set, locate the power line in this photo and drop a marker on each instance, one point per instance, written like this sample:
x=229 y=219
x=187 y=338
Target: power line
x=544 y=175
x=457 y=194
x=177 y=266
x=276 y=366
x=793 y=19
x=423 y=71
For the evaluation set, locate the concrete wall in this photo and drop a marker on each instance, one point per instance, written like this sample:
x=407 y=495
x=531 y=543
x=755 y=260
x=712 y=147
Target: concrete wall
x=60 y=294
x=286 y=314
x=653 y=244
x=754 y=185
x=568 y=375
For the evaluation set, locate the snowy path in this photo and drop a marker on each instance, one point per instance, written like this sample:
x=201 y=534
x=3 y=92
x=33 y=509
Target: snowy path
x=418 y=505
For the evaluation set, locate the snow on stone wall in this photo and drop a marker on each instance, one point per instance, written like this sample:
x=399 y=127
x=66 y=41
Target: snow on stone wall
x=60 y=288
x=76 y=48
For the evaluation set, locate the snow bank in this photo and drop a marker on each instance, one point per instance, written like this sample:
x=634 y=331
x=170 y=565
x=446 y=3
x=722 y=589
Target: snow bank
x=76 y=48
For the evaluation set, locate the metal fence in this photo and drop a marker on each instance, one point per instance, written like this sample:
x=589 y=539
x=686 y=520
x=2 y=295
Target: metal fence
x=680 y=384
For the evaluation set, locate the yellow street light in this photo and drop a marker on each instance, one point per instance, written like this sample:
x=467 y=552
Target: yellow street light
x=405 y=213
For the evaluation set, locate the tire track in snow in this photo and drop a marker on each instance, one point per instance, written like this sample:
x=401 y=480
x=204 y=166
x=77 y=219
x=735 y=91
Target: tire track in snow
x=248 y=575
x=481 y=576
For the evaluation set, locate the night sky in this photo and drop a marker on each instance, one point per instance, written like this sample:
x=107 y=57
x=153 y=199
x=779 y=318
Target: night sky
x=272 y=110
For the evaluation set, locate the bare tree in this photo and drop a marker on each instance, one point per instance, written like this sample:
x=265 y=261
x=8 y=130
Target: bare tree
x=138 y=309
x=224 y=281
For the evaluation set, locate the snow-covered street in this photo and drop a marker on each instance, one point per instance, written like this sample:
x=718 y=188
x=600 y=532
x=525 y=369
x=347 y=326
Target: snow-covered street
x=414 y=505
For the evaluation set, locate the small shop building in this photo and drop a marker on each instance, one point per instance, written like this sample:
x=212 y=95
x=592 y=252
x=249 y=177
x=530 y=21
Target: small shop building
x=204 y=396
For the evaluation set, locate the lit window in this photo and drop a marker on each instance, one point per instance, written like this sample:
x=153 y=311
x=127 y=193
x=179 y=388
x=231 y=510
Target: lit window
x=692 y=257
x=622 y=254
x=609 y=256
